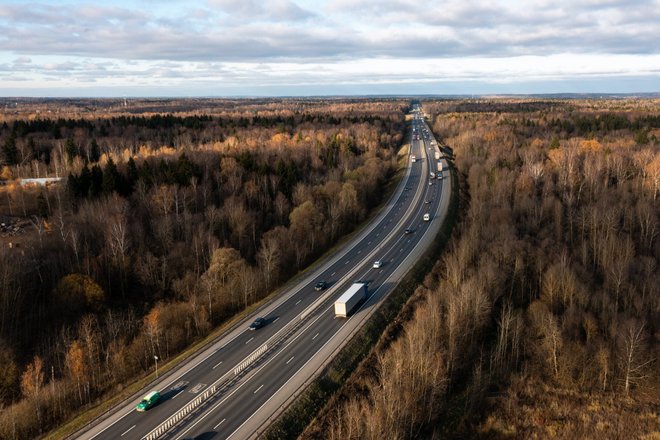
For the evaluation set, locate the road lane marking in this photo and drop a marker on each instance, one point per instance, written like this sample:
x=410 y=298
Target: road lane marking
x=197 y=388
x=180 y=385
x=260 y=386
x=217 y=365
x=248 y=341
x=174 y=396
x=314 y=337
x=203 y=416
x=287 y=362
x=221 y=422
x=333 y=274
x=276 y=319
x=298 y=302
x=127 y=431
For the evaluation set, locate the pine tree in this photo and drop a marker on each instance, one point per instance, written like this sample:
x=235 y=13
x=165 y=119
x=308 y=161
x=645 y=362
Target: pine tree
x=10 y=152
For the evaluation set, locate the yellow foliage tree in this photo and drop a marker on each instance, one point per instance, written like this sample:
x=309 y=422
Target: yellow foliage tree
x=75 y=362
x=32 y=379
x=6 y=173
x=592 y=145
x=75 y=292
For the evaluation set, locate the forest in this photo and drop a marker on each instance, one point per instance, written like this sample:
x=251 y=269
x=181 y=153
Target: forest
x=170 y=218
x=541 y=319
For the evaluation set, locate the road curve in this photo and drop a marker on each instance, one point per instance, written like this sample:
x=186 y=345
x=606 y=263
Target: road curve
x=302 y=333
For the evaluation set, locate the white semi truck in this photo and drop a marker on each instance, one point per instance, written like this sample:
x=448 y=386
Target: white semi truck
x=351 y=298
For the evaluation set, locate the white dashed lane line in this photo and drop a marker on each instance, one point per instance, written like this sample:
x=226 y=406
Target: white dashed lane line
x=128 y=430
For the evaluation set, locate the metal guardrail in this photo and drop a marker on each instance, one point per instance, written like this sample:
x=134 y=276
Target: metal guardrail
x=195 y=403
x=176 y=417
x=223 y=383
x=254 y=356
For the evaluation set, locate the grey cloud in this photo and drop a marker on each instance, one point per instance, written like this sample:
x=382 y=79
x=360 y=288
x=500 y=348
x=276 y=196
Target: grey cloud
x=252 y=30
x=267 y=10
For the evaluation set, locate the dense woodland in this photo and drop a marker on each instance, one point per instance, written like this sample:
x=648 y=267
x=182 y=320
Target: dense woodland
x=541 y=321
x=164 y=226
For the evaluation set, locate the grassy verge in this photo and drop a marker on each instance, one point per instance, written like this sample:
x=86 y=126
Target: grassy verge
x=376 y=335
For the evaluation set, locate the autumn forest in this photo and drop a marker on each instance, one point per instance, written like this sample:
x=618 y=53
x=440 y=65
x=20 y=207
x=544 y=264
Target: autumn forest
x=168 y=218
x=164 y=225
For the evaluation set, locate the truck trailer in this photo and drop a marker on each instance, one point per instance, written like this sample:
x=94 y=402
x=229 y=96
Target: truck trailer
x=437 y=155
x=350 y=299
x=439 y=167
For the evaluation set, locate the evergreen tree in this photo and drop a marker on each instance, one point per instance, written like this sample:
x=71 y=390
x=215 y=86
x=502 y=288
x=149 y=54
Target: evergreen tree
x=70 y=149
x=96 y=181
x=10 y=152
x=111 y=178
x=42 y=205
x=94 y=151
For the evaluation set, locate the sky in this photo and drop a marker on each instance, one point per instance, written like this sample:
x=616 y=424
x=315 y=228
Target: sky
x=178 y=48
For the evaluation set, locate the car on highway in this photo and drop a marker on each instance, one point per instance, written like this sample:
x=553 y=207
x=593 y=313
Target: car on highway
x=407 y=231
x=148 y=401
x=257 y=324
x=378 y=264
x=430 y=183
x=427 y=217
x=320 y=285
x=426 y=202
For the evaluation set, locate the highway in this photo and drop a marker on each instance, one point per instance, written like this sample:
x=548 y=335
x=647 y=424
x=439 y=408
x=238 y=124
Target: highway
x=257 y=373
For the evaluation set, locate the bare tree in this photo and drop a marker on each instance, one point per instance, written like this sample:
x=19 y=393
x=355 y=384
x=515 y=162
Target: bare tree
x=632 y=357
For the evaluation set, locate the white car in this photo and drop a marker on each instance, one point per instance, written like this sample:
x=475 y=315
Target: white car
x=427 y=217
x=378 y=264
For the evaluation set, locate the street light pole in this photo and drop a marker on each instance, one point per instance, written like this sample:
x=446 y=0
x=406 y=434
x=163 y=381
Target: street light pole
x=156 y=360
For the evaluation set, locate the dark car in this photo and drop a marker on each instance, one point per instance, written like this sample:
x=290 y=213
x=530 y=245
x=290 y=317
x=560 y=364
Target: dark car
x=320 y=285
x=407 y=231
x=257 y=324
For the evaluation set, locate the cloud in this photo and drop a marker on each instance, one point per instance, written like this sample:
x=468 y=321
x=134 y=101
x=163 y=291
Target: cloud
x=281 y=29
x=268 y=10
x=288 y=42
